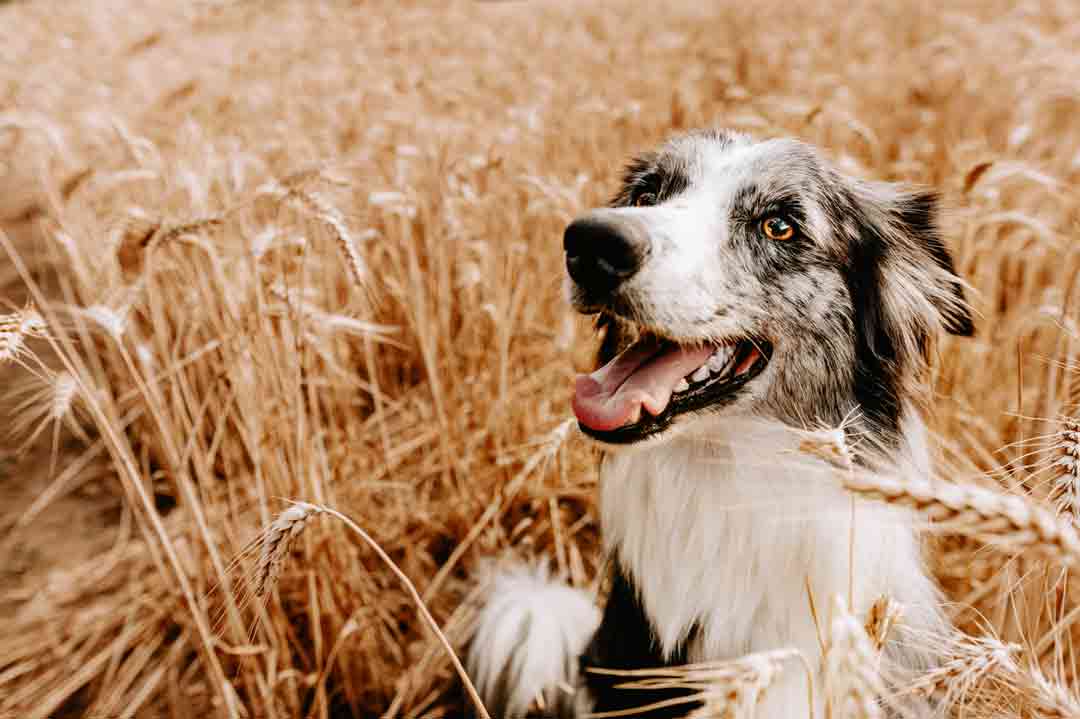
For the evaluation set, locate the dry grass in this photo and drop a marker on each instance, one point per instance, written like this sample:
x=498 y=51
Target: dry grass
x=310 y=250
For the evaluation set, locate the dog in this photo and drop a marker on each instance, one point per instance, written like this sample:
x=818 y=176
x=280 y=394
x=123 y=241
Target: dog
x=745 y=291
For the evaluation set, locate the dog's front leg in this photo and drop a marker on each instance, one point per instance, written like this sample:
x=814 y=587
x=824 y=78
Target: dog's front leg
x=625 y=640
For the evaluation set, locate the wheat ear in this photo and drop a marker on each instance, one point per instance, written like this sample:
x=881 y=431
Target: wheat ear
x=1011 y=522
x=331 y=218
x=15 y=329
x=724 y=689
x=283 y=531
x=1067 y=484
x=1047 y=699
x=972 y=659
x=277 y=540
x=884 y=614
x=851 y=681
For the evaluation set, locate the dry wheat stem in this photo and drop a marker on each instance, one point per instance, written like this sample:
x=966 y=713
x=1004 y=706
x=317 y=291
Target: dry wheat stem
x=549 y=447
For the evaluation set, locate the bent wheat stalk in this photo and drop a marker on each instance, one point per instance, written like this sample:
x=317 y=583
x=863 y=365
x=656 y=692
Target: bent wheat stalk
x=278 y=539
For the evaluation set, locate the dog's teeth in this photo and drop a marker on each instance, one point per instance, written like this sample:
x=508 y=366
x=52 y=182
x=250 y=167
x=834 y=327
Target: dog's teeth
x=720 y=358
x=701 y=374
x=682 y=385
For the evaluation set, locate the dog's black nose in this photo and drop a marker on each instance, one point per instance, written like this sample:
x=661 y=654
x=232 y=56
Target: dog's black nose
x=600 y=255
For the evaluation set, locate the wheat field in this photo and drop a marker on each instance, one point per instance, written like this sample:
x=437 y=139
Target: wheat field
x=309 y=250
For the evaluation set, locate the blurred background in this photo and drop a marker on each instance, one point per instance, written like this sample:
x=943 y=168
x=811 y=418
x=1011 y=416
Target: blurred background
x=311 y=249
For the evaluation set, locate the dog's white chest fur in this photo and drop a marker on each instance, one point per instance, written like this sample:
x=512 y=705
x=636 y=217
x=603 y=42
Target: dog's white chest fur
x=725 y=536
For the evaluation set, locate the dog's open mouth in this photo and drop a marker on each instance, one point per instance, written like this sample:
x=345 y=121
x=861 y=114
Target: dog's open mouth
x=638 y=393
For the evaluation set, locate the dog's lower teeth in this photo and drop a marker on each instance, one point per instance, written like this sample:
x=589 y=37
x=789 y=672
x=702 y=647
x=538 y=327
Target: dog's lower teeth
x=701 y=374
x=682 y=385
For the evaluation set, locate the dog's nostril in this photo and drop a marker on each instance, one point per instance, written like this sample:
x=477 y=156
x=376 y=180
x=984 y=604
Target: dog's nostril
x=599 y=255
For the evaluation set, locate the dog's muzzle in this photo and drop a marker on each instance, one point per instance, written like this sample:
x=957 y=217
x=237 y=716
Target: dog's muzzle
x=603 y=250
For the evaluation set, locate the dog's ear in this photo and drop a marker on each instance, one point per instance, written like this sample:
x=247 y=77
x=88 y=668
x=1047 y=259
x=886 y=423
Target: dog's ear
x=917 y=220
x=902 y=278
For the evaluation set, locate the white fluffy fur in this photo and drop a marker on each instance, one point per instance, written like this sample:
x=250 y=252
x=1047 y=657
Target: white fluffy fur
x=528 y=639
x=726 y=529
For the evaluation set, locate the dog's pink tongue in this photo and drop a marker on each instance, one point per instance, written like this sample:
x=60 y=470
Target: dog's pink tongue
x=644 y=375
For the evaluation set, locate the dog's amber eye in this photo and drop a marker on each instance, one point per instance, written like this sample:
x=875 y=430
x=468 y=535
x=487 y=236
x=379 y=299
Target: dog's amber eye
x=777 y=228
x=645 y=199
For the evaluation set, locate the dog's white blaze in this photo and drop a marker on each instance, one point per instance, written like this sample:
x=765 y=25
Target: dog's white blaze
x=725 y=533
x=686 y=271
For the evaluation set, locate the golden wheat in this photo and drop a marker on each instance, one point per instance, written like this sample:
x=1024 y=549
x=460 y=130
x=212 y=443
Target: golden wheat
x=274 y=547
x=275 y=543
x=967 y=664
x=1067 y=483
x=311 y=249
x=15 y=329
x=725 y=690
x=852 y=685
x=1011 y=522
x=882 y=617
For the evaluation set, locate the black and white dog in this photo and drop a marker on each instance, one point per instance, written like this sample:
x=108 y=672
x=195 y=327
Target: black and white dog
x=745 y=290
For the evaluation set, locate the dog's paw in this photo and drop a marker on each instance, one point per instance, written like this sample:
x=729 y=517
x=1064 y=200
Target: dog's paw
x=530 y=633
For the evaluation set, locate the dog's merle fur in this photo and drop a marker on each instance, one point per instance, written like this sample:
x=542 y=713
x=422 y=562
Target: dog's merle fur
x=714 y=536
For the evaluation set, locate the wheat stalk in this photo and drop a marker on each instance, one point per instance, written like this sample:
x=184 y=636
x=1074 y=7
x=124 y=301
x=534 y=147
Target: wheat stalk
x=1011 y=522
x=164 y=233
x=274 y=547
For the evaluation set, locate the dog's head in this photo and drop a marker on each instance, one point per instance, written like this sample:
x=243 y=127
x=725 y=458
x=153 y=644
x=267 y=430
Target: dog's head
x=740 y=277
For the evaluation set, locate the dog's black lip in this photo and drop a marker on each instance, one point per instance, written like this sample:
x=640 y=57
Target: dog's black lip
x=704 y=397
